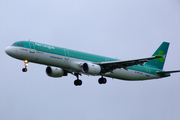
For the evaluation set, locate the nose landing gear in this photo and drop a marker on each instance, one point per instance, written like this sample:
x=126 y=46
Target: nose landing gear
x=26 y=64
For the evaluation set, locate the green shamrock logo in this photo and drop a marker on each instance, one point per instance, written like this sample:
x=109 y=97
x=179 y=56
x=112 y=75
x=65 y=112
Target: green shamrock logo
x=161 y=53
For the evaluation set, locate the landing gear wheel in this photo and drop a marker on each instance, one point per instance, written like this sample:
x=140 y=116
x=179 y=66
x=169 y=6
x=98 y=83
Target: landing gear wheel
x=77 y=82
x=102 y=80
x=24 y=69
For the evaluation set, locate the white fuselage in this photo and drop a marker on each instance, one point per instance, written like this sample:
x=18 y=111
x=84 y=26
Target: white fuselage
x=72 y=64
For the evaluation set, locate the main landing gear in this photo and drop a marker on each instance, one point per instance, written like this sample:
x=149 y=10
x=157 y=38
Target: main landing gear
x=77 y=82
x=102 y=80
x=26 y=64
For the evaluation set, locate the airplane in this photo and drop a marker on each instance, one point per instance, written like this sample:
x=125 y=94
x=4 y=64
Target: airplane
x=62 y=61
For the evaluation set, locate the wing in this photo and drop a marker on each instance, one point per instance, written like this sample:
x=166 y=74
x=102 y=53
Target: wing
x=112 y=65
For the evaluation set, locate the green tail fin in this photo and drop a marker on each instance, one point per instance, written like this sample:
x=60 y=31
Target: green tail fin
x=161 y=51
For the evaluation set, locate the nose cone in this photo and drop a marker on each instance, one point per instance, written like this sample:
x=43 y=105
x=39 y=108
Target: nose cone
x=8 y=50
x=13 y=52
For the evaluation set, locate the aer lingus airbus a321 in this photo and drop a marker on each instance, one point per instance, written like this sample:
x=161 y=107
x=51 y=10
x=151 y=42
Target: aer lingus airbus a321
x=61 y=62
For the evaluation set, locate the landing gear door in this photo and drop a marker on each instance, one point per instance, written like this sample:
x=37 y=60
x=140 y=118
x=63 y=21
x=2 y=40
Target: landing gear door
x=32 y=47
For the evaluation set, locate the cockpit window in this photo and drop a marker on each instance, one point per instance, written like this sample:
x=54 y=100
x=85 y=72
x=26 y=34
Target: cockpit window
x=17 y=44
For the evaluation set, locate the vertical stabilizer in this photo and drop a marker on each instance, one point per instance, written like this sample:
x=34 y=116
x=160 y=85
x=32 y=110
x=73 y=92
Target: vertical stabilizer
x=161 y=51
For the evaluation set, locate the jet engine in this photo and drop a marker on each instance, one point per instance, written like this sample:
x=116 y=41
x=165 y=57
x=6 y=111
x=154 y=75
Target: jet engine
x=91 y=68
x=55 y=72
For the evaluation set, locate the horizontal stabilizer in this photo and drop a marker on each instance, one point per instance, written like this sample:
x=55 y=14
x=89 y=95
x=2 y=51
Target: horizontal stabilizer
x=165 y=72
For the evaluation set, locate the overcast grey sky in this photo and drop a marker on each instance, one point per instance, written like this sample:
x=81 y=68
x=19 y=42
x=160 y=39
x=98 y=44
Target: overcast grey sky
x=124 y=29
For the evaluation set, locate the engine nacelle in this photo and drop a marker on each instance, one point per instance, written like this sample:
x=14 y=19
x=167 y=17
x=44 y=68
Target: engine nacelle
x=55 y=72
x=91 y=68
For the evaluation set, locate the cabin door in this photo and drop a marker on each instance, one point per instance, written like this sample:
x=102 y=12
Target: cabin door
x=66 y=55
x=32 y=47
x=66 y=58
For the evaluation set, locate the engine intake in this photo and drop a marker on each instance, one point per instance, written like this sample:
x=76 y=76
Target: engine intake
x=55 y=72
x=91 y=68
